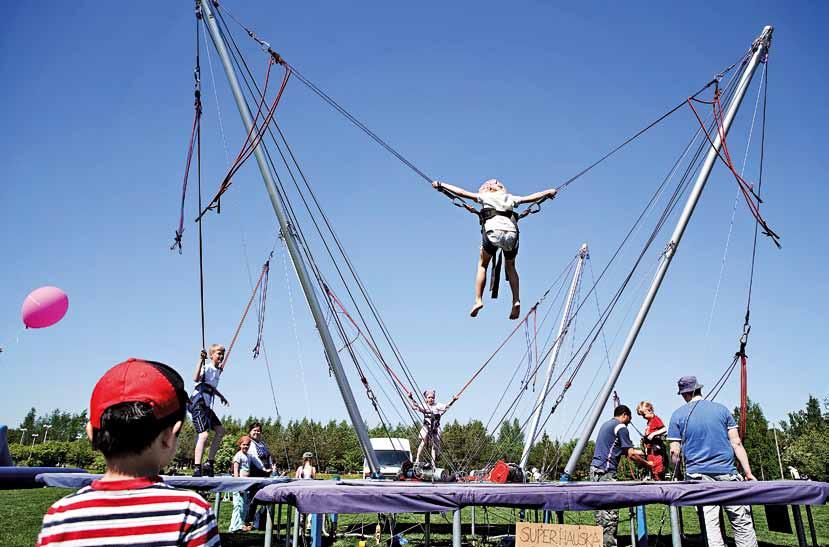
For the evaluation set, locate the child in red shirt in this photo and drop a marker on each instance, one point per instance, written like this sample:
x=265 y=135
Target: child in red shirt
x=653 y=439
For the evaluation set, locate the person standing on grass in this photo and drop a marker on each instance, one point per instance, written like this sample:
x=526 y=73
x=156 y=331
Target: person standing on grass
x=307 y=470
x=135 y=416
x=705 y=433
x=241 y=500
x=261 y=465
x=612 y=442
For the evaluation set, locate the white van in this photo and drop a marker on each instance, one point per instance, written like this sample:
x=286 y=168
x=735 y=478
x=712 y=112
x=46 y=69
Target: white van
x=391 y=454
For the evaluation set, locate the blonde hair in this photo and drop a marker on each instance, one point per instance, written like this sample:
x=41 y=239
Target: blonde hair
x=492 y=183
x=644 y=405
x=214 y=347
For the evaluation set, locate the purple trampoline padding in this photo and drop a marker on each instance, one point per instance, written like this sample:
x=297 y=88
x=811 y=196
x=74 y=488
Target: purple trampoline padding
x=26 y=477
x=412 y=497
x=211 y=484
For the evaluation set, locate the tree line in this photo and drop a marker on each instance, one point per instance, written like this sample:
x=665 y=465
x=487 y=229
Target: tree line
x=802 y=437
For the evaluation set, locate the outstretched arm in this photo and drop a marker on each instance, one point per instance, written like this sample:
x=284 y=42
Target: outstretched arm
x=538 y=196
x=414 y=404
x=740 y=452
x=636 y=456
x=458 y=191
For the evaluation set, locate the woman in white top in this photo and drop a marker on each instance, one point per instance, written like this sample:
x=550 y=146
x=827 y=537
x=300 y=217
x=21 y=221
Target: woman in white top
x=307 y=469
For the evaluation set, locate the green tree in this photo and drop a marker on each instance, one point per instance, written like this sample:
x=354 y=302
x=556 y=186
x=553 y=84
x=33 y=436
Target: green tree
x=759 y=442
x=28 y=422
x=808 y=454
x=510 y=442
x=466 y=446
x=800 y=421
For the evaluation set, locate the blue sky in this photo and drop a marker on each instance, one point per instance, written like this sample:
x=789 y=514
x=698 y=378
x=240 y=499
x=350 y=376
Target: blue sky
x=97 y=107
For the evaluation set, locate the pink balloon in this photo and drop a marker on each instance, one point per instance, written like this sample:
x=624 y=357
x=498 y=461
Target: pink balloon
x=44 y=307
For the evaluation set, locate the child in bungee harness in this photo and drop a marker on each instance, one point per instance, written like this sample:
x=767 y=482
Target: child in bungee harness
x=499 y=230
x=430 y=431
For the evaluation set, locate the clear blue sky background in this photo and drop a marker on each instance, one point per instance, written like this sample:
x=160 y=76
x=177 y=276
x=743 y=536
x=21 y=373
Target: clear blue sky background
x=97 y=105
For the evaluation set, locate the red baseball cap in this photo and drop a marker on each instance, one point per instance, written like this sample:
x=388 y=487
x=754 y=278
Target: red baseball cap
x=138 y=381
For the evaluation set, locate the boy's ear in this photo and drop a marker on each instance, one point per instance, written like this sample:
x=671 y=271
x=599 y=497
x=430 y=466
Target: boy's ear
x=89 y=430
x=169 y=437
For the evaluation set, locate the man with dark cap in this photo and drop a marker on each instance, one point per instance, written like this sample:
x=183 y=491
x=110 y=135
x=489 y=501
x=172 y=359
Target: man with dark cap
x=706 y=433
x=612 y=441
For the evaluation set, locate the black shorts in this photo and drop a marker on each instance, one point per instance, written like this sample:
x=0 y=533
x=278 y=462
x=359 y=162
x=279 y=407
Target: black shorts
x=491 y=249
x=204 y=419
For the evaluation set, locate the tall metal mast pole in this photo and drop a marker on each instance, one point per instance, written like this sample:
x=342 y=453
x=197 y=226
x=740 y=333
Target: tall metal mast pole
x=761 y=46
x=293 y=249
x=562 y=330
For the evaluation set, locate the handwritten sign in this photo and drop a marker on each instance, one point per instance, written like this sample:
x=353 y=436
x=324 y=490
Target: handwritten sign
x=531 y=534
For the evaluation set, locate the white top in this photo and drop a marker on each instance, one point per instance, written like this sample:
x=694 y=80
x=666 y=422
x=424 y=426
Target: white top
x=433 y=412
x=305 y=471
x=503 y=202
x=210 y=376
x=244 y=463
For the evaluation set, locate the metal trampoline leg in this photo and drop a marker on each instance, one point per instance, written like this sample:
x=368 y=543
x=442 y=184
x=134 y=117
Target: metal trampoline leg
x=811 y=525
x=217 y=504
x=288 y=516
x=268 y=525
x=473 y=523
x=641 y=526
x=676 y=527
x=278 y=520
x=316 y=530
x=427 y=528
x=297 y=518
x=798 y=524
x=456 y=528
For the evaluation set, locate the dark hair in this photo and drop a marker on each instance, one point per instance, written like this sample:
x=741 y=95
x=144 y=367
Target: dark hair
x=254 y=424
x=131 y=427
x=621 y=410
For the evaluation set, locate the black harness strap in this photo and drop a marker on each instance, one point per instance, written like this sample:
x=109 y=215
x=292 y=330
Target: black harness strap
x=496 y=273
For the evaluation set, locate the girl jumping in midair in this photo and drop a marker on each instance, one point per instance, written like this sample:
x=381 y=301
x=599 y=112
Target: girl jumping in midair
x=499 y=230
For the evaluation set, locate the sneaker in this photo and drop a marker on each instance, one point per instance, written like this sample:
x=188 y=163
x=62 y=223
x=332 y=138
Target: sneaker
x=207 y=468
x=197 y=471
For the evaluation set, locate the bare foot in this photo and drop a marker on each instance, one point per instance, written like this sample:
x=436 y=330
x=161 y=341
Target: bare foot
x=475 y=309
x=516 y=310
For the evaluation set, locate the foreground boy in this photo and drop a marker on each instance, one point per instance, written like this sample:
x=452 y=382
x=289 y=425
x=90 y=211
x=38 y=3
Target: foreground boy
x=135 y=416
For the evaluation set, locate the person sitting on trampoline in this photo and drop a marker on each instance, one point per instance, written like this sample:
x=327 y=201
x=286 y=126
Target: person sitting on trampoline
x=430 y=431
x=499 y=228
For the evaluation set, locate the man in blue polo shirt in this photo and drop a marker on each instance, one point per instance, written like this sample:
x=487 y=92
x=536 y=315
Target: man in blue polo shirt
x=706 y=434
x=612 y=441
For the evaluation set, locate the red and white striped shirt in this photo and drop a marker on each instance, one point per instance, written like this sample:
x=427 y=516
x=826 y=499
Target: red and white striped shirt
x=142 y=511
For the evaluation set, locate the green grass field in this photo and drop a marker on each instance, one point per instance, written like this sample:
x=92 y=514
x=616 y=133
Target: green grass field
x=21 y=512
